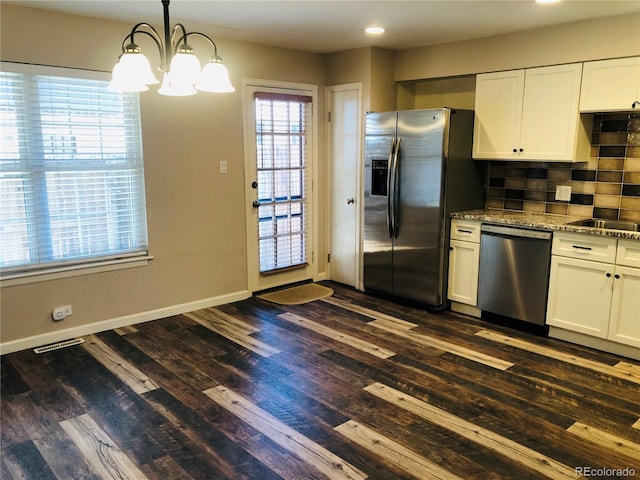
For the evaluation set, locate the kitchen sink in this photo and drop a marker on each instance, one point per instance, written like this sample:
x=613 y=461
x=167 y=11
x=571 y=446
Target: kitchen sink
x=607 y=224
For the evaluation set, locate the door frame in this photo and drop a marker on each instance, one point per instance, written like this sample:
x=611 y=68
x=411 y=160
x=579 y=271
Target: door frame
x=253 y=274
x=359 y=178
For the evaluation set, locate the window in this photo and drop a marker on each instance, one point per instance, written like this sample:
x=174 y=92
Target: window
x=282 y=142
x=71 y=172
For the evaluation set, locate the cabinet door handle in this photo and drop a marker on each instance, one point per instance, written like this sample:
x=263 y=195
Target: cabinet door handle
x=608 y=275
x=580 y=247
x=635 y=104
x=464 y=231
x=616 y=276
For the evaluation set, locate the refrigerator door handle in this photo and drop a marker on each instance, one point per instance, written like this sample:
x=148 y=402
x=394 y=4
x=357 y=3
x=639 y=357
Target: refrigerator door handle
x=396 y=189
x=390 y=183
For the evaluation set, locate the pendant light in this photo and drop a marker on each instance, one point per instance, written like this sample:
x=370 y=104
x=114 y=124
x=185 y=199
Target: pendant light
x=182 y=73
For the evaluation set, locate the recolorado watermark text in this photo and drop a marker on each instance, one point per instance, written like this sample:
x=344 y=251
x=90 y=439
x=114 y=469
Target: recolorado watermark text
x=605 y=472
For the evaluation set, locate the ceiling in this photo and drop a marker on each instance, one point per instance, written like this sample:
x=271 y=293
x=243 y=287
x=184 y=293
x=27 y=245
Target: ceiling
x=329 y=26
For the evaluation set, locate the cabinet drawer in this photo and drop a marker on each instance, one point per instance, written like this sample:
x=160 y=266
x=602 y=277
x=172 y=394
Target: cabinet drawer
x=466 y=230
x=587 y=247
x=628 y=253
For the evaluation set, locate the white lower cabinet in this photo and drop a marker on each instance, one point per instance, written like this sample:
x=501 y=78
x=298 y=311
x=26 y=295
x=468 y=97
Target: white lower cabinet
x=580 y=295
x=624 y=326
x=596 y=298
x=464 y=262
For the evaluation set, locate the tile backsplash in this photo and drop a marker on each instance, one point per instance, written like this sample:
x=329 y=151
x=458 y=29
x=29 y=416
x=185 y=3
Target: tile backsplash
x=607 y=186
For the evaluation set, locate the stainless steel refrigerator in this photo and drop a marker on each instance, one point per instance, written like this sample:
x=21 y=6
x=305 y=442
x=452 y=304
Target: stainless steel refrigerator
x=418 y=169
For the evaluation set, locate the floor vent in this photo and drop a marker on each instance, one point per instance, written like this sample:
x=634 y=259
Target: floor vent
x=59 y=345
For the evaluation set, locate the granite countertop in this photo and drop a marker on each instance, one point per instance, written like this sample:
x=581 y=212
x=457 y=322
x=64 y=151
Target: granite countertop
x=540 y=221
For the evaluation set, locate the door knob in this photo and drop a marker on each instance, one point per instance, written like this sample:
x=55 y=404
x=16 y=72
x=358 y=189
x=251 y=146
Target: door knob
x=351 y=201
x=255 y=204
x=254 y=184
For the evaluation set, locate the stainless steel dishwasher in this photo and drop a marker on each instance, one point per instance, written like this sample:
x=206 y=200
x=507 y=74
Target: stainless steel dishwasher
x=514 y=272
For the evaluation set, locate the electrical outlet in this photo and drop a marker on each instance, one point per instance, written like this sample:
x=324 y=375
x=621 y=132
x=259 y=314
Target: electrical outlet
x=563 y=193
x=223 y=166
x=60 y=313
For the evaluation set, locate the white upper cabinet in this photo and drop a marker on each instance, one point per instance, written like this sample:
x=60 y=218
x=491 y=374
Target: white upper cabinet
x=498 y=114
x=550 y=116
x=531 y=115
x=611 y=85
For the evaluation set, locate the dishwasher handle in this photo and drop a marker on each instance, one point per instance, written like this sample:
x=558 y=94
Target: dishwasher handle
x=515 y=232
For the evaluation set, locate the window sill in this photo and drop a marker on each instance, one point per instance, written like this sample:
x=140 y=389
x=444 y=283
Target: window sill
x=23 y=278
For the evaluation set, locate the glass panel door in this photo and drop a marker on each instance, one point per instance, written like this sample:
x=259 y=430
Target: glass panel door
x=281 y=168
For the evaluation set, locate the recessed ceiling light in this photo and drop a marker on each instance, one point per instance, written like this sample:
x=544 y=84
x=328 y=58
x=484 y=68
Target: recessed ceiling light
x=374 y=30
x=547 y=1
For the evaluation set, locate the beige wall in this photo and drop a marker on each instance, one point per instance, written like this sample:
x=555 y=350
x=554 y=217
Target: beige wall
x=588 y=40
x=454 y=92
x=372 y=66
x=383 y=87
x=195 y=214
x=348 y=67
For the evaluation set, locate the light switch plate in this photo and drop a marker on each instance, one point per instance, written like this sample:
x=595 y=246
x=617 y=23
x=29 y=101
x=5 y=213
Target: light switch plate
x=223 y=166
x=563 y=193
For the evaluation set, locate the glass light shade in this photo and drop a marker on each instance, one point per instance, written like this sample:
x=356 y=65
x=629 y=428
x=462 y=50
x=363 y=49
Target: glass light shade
x=215 y=77
x=120 y=83
x=185 y=67
x=374 y=30
x=134 y=67
x=175 y=89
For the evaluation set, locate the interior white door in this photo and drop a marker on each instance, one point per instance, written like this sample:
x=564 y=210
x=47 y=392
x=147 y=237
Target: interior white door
x=345 y=139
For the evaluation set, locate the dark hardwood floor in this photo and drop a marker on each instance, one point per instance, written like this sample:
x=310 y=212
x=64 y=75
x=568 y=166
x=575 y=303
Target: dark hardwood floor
x=350 y=387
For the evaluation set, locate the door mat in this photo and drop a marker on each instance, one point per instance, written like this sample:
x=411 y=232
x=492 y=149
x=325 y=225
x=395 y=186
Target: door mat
x=306 y=293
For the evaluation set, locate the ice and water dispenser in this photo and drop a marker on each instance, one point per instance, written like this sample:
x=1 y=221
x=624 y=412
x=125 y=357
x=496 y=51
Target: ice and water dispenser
x=379 y=170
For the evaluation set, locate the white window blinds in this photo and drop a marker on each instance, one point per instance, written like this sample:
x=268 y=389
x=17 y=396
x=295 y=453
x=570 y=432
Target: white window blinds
x=71 y=172
x=283 y=126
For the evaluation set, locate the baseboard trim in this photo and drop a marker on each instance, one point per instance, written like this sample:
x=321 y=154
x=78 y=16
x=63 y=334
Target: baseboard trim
x=118 y=322
x=466 y=309
x=594 y=342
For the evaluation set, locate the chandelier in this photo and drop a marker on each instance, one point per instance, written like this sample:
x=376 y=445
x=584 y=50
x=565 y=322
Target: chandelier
x=181 y=71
